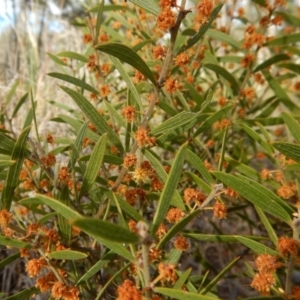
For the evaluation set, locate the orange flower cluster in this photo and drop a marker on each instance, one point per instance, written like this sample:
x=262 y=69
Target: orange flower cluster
x=167 y=272
x=191 y=195
x=135 y=194
x=161 y=231
x=288 y=246
x=181 y=59
x=5 y=218
x=87 y=38
x=159 y=52
x=128 y=291
x=143 y=139
x=181 y=243
x=166 y=19
x=247 y=60
x=49 y=160
x=130 y=160
x=138 y=77
x=204 y=10
x=34 y=266
x=252 y=38
x=220 y=210
x=174 y=215
x=263 y=280
x=248 y=93
x=265 y=174
x=64 y=174
x=220 y=125
x=104 y=90
x=103 y=38
x=285 y=192
x=62 y=291
x=129 y=113
x=172 y=85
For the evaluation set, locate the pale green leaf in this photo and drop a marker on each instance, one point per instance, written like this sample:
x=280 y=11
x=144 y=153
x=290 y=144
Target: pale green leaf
x=67 y=255
x=169 y=188
x=94 y=165
x=73 y=80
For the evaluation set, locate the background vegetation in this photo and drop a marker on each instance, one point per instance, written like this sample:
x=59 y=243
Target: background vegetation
x=150 y=150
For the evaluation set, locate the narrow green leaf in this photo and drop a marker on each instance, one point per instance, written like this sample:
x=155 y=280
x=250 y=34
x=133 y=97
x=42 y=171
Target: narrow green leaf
x=5 y=241
x=271 y=61
x=254 y=135
x=56 y=59
x=73 y=80
x=292 y=125
x=292 y=67
x=176 y=200
x=63 y=224
x=12 y=178
x=181 y=295
x=226 y=75
x=11 y=92
x=67 y=255
x=8 y=260
x=6 y=163
x=73 y=55
x=284 y=40
x=213 y=282
x=149 y=5
x=212 y=119
x=105 y=230
x=97 y=267
x=127 y=55
x=199 y=182
x=25 y=294
x=169 y=188
x=99 y=19
x=178 y=227
x=175 y=123
x=107 y=8
x=182 y=279
x=195 y=38
x=219 y=238
x=279 y=92
x=54 y=204
x=140 y=45
x=128 y=81
x=257 y=247
x=289 y=18
x=256 y=194
x=94 y=165
x=197 y=163
x=290 y=150
x=115 y=114
x=126 y=207
x=267 y=226
x=260 y=2
x=223 y=37
x=91 y=112
x=208 y=99
x=19 y=105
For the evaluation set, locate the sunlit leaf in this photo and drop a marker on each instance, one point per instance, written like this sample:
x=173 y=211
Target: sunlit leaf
x=67 y=255
x=169 y=188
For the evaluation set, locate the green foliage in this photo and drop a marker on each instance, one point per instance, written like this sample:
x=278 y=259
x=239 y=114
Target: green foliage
x=185 y=142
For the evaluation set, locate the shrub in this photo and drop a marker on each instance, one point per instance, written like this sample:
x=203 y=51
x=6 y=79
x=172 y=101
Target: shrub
x=179 y=172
